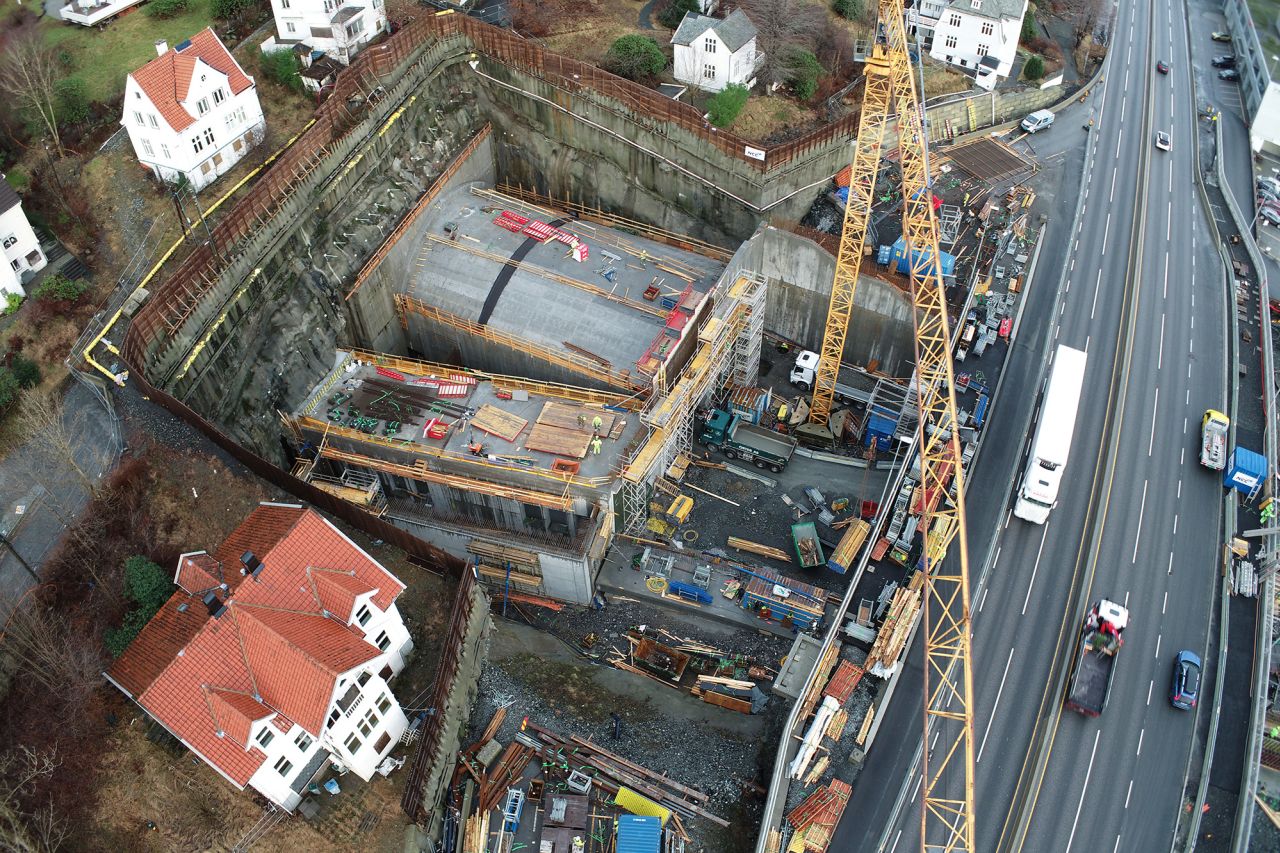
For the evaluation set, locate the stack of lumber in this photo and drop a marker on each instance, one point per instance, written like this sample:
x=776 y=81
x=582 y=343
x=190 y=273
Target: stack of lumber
x=818 y=815
x=612 y=771
x=865 y=728
x=475 y=834
x=509 y=768
x=835 y=728
x=842 y=684
x=706 y=688
x=814 y=694
x=756 y=548
x=889 y=643
x=498 y=422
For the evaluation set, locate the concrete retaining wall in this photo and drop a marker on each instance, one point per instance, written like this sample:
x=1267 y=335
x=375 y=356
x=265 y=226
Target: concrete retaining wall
x=800 y=273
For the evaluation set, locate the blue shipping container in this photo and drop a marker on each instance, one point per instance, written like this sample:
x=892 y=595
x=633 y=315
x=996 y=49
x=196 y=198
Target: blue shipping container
x=639 y=834
x=1246 y=471
x=902 y=265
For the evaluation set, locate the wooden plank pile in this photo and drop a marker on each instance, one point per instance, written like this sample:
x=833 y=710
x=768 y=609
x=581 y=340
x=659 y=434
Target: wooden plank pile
x=498 y=422
x=887 y=648
x=845 y=680
x=756 y=548
x=509 y=768
x=817 y=816
x=813 y=695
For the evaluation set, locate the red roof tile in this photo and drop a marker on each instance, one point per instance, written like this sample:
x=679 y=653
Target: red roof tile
x=199 y=675
x=167 y=78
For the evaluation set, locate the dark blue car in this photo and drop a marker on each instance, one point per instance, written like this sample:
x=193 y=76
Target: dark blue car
x=1185 y=687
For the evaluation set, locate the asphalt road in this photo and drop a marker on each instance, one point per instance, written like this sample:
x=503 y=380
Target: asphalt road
x=1155 y=344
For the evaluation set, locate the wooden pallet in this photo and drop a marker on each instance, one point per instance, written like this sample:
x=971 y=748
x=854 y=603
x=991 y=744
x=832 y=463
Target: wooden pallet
x=562 y=442
x=497 y=422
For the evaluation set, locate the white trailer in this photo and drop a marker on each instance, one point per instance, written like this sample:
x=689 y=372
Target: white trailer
x=1052 y=443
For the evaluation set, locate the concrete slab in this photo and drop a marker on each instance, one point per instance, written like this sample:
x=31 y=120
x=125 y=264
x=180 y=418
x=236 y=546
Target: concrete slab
x=552 y=305
x=795 y=670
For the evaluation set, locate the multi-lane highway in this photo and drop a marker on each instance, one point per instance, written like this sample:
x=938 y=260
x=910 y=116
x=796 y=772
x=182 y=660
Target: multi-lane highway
x=1140 y=291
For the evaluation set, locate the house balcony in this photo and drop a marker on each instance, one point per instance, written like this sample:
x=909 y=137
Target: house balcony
x=88 y=13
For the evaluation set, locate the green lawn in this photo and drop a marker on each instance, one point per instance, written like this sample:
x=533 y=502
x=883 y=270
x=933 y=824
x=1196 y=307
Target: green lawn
x=102 y=59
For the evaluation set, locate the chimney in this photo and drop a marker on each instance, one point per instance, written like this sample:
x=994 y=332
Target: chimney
x=162 y=47
x=250 y=565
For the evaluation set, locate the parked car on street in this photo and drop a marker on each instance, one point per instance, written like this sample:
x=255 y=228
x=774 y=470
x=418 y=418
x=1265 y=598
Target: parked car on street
x=1229 y=74
x=1220 y=36
x=1269 y=215
x=1224 y=61
x=1184 y=688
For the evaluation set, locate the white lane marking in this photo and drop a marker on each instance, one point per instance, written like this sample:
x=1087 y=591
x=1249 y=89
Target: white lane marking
x=1085 y=789
x=1159 y=637
x=1168 y=224
x=1150 y=686
x=1073 y=266
x=1188 y=371
x=1191 y=345
x=1112 y=197
x=1175 y=526
x=1006 y=518
x=1182 y=458
x=1034 y=569
x=1165 y=290
x=1179 y=488
x=1119 y=137
x=1155 y=406
x=1170 y=176
x=1117 y=845
x=1160 y=355
x=983 y=603
x=1129 y=55
x=1188 y=397
x=1193 y=321
x=1096 y=288
x=1170 y=571
x=1141 y=733
x=1137 y=536
x=1087 y=338
x=898 y=837
x=1057 y=332
x=992 y=718
x=1165 y=604
x=997 y=558
x=1105 y=232
x=1126 y=600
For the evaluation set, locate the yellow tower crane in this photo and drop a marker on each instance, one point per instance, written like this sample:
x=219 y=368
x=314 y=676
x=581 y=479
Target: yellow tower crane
x=947 y=816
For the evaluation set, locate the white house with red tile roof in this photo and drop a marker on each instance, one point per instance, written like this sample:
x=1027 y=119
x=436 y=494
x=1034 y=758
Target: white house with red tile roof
x=273 y=657
x=336 y=28
x=192 y=111
x=21 y=249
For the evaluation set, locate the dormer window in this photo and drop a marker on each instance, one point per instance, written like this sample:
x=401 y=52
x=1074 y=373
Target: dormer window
x=363 y=615
x=202 y=106
x=977 y=5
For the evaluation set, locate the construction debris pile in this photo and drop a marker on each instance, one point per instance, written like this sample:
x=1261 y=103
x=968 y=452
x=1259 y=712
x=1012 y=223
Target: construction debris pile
x=564 y=794
x=718 y=678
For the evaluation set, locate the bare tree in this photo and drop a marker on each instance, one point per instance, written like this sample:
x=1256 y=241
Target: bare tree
x=29 y=74
x=782 y=28
x=63 y=439
x=41 y=831
x=62 y=660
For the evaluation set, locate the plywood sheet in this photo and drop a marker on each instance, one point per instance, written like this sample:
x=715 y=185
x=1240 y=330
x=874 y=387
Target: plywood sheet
x=562 y=442
x=566 y=417
x=498 y=422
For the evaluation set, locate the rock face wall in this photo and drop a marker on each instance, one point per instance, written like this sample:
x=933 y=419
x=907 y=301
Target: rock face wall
x=800 y=272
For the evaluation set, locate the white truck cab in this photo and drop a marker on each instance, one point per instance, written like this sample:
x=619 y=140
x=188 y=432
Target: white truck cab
x=804 y=370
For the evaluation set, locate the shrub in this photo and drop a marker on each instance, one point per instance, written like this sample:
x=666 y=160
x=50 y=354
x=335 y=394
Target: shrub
x=9 y=388
x=12 y=302
x=59 y=288
x=1029 y=30
x=1034 y=68
x=803 y=71
x=72 y=103
x=280 y=66
x=26 y=371
x=635 y=57
x=848 y=9
x=673 y=14
x=149 y=587
x=724 y=106
x=227 y=10
x=166 y=8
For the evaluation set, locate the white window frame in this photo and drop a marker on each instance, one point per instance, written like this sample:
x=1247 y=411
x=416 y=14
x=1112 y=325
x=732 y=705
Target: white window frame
x=988 y=28
x=219 y=95
x=284 y=4
x=954 y=20
x=265 y=737
x=283 y=766
x=708 y=71
x=164 y=152
x=146 y=147
x=363 y=615
x=208 y=135
x=983 y=50
x=202 y=106
x=137 y=116
x=709 y=44
x=289 y=27
x=346 y=744
x=368 y=723
x=951 y=42
x=383 y=641
x=303 y=741
x=383 y=704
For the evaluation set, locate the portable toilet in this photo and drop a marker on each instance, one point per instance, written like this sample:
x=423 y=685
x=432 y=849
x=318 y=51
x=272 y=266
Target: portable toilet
x=638 y=834
x=1246 y=471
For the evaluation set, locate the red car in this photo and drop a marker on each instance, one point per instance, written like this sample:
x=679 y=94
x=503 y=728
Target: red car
x=1162 y=67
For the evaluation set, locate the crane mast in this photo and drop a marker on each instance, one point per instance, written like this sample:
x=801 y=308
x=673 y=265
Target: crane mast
x=947 y=814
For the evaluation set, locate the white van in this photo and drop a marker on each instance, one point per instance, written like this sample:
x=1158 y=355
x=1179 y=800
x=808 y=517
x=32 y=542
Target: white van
x=1038 y=120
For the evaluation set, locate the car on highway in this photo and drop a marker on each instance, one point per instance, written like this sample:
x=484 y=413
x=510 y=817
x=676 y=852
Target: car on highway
x=1162 y=67
x=1184 y=688
x=1224 y=61
x=1162 y=141
x=1220 y=36
x=1229 y=74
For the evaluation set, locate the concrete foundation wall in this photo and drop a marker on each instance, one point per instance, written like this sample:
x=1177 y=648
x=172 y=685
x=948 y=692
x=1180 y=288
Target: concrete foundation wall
x=800 y=273
x=986 y=109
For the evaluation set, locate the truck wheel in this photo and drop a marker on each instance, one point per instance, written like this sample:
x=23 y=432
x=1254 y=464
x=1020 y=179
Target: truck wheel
x=729 y=454
x=777 y=469
x=759 y=464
